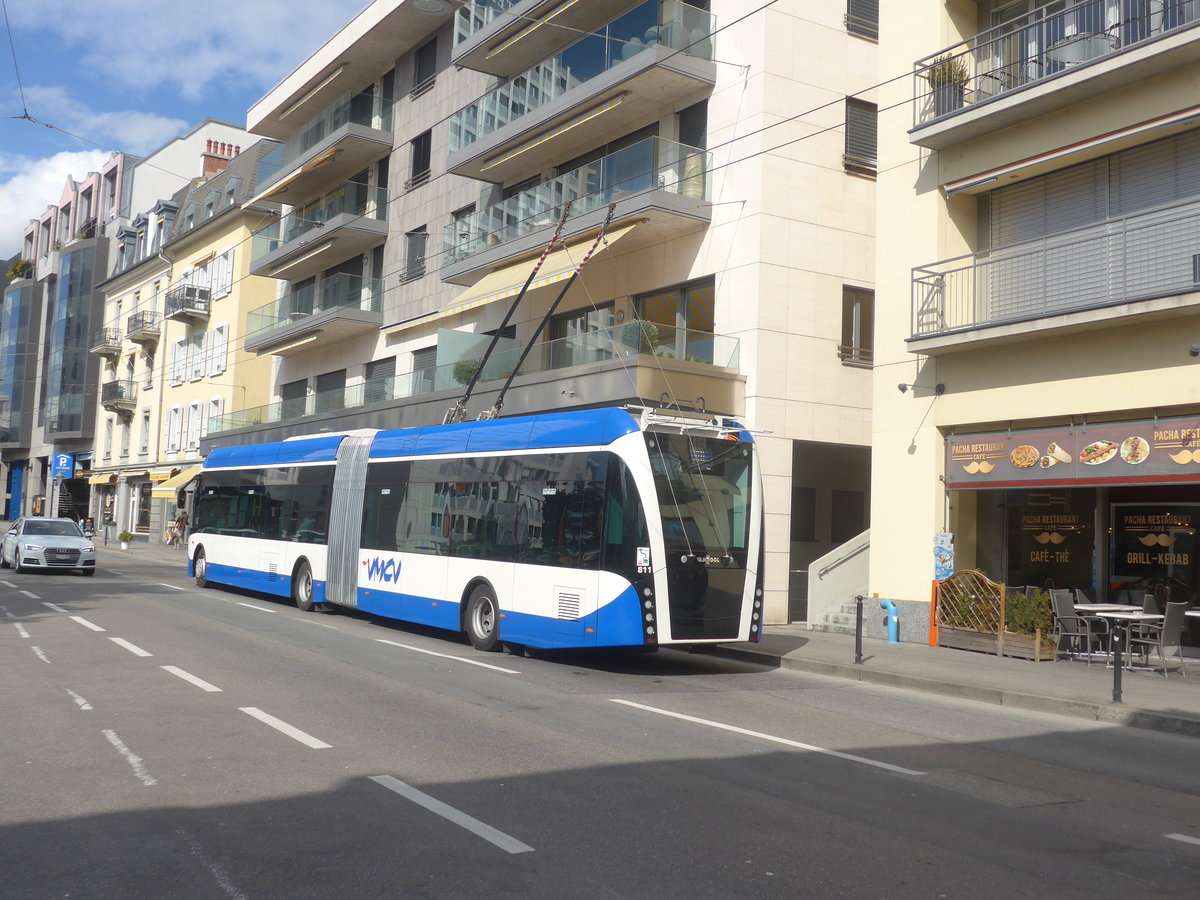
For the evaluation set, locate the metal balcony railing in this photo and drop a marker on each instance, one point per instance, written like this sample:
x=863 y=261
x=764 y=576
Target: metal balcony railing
x=627 y=340
x=353 y=198
x=670 y=23
x=1050 y=40
x=118 y=393
x=652 y=164
x=142 y=326
x=186 y=300
x=107 y=341
x=1137 y=257
x=340 y=291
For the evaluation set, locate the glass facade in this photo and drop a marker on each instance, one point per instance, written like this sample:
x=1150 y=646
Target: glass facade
x=18 y=322
x=70 y=319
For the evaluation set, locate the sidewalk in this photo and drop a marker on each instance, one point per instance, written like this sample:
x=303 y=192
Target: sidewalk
x=1065 y=687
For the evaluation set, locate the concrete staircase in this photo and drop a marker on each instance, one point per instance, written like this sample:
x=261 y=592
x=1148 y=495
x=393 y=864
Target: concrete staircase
x=838 y=620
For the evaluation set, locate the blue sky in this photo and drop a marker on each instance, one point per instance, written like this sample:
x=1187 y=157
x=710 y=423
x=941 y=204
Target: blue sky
x=129 y=76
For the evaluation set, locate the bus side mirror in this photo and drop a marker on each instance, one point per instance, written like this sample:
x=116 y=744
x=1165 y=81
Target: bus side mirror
x=181 y=499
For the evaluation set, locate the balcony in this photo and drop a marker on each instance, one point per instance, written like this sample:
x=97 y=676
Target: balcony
x=329 y=148
x=656 y=56
x=491 y=35
x=662 y=181
x=187 y=303
x=143 y=328
x=631 y=362
x=1046 y=60
x=341 y=306
x=1144 y=265
x=119 y=396
x=107 y=342
x=336 y=226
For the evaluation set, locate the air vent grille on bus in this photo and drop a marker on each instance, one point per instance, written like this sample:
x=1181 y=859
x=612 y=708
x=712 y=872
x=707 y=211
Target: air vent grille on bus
x=568 y=604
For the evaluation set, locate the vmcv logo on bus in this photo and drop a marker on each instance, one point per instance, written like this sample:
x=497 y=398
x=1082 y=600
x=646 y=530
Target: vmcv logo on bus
x=383 y=569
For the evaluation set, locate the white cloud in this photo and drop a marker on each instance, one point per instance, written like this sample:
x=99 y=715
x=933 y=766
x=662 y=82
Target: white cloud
x=28 y=186
x=126 y=130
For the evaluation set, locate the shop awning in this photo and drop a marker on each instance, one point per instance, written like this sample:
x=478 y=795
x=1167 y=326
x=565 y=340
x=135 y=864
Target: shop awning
x=166 y=490
x=507 y=282
x=161 y=474
x=107 y=478
x=140 y=473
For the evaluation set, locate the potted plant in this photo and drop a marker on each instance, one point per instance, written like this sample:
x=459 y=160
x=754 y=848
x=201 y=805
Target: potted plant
x=464 y=370
x=124 y=537
x=19 y=268
x=947 y=77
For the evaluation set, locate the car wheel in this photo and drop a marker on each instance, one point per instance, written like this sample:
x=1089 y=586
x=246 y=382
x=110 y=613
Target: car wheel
x=88 y=572
x=302 y=587
x=3 y=560
x=483 y=619
x=200 y=568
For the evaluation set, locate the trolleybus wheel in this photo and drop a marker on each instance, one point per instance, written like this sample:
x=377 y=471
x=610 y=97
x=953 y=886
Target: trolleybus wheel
x=302 y=587
x=200 y=567
x=483 y=619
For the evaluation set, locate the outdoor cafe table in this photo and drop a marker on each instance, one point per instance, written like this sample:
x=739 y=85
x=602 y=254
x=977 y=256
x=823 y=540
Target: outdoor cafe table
x=1099 y=608
x=1121 y=619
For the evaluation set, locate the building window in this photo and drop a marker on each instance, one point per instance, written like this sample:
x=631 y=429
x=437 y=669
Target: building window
x=294 y=397
x=218 y=343
x=331 y=391
x=216 y=409
x=144 y=446
x=862 y=18
x=424 y=366
x=422 y=148
x=424 y=68
x=378 y=376
x=861 y=150
x=858 y=327
x=678 y=322
x=414 y=254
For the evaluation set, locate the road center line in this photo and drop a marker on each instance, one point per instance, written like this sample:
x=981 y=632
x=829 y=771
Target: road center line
x=113 y=572
x=53 y=606
x=505 y=842
x=86 y=624
x=308 y=621
x=772 y=738
x=79 y=701
x=32 y=596
x=259 y=608
x=1186 y=838
x=37 y=651
x=279 y=725
x=8 y=584
x=192 y=679
x=132 y=648
x=462 y=659
x=135 y=762
x=173 y=587
x=21 y=629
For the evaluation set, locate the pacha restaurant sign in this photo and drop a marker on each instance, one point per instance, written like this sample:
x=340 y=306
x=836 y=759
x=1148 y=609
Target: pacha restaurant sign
x=1142 y=451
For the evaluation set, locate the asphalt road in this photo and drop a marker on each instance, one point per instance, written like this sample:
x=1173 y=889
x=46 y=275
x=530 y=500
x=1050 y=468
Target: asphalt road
x=164 y=741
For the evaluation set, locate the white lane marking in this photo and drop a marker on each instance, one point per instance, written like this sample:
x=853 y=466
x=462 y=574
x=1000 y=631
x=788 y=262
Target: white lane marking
x=218 y=871
x=308 y=621
x=9 y=614
x=113 y=572
x=279 y=725
x=37 y=651
x=79 y=701
x=1186 y=838
x=53 y=606
x=132 y=648
x=462 y=659
x=259 y=608
x=31 y=595
x=505 y=842
x=86 y=624
x=7 y=583
x=173 y=587
x=812 y=748
x=135 y=762
x=21 y=629
x=192 y=679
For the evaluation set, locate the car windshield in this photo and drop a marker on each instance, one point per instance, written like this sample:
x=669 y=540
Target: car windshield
x=58 y=529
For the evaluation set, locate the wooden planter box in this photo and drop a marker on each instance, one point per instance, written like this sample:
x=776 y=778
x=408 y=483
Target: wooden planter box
x=1019 y=646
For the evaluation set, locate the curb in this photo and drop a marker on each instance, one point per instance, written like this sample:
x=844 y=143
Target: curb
x=1109 y=714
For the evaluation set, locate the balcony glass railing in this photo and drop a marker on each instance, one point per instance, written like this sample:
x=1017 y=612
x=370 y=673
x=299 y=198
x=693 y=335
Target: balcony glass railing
x=672 y=24
x=629 y=339
x=1062 y=273
x=340 y=291
x=652 y=164
x=1049 y=40
x=352 y=198
x=367 y=108
x=477 y=14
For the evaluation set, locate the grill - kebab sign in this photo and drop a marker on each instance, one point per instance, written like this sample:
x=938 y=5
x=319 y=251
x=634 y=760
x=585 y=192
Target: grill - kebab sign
x=1139 y=451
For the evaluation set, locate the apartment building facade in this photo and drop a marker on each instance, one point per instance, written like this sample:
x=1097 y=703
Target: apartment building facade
x=1035 y=399
x=171 y=340
x=428 y=154
x=51 y=379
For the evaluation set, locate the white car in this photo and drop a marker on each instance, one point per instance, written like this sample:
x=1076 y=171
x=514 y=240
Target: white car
x=40 y=543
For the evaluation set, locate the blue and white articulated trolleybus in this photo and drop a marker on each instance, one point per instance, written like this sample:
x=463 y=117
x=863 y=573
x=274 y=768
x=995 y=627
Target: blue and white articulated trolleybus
x=586 y=528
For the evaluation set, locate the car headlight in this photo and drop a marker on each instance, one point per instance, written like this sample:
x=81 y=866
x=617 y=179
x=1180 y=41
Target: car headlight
x=87 y=548
x=34 y=547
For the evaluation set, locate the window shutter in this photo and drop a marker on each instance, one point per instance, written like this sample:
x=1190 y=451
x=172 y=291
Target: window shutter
x=197 y=355
x=861 y=137
x=193 y=429
x=179 y=361
x=862 y=18
x=218 y=342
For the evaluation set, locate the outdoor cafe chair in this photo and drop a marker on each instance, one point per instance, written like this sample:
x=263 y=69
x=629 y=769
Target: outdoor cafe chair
x=1074 y=632
x=1166 y=638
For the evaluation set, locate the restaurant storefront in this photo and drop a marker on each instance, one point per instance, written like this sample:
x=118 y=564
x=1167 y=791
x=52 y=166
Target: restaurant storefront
x=1105 y=508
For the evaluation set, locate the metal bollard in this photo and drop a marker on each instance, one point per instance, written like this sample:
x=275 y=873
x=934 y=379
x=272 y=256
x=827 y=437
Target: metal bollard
x=1118 y=644
x=893 y=621
x=858 y=620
